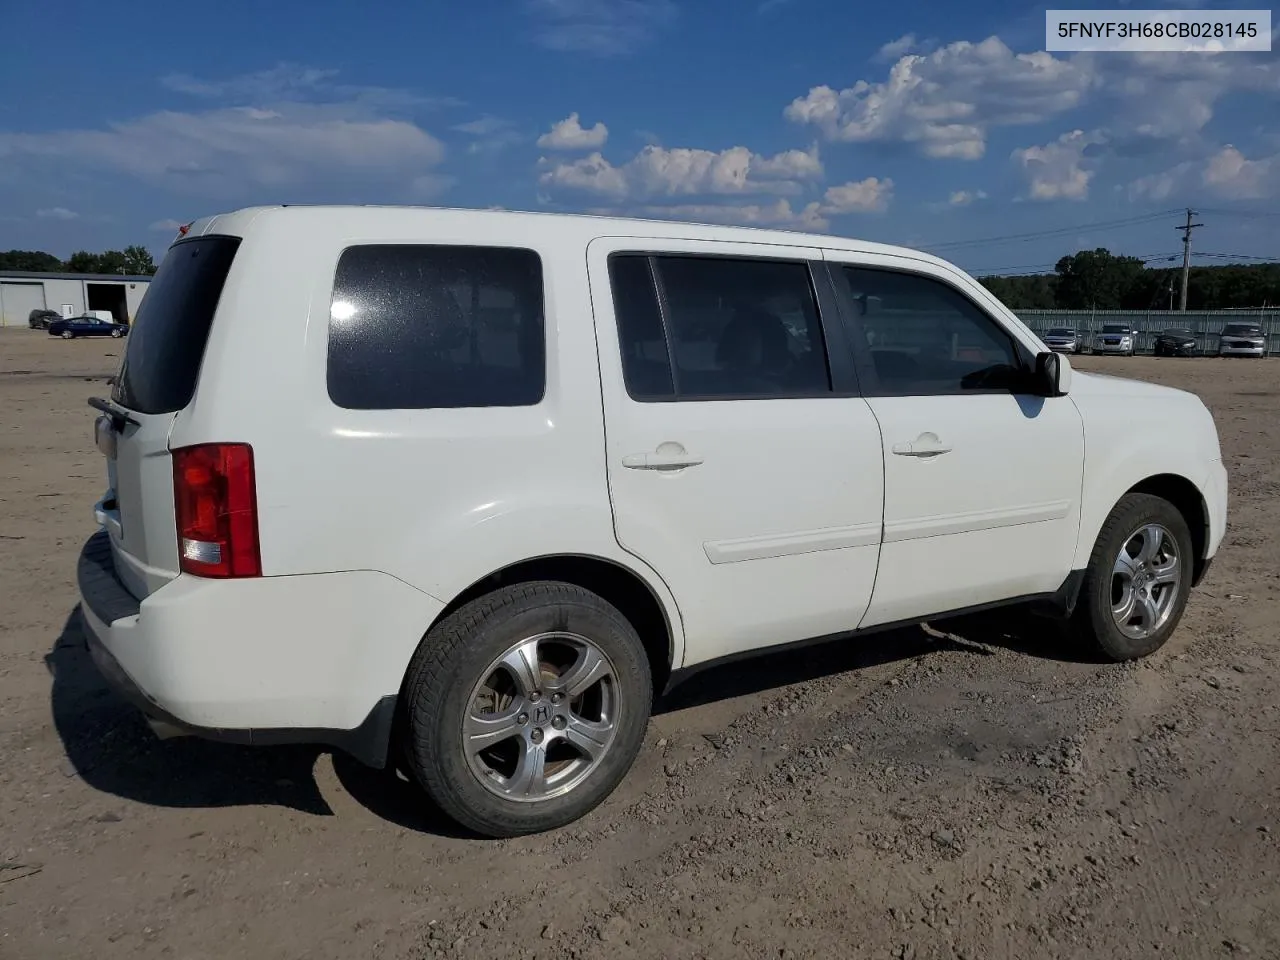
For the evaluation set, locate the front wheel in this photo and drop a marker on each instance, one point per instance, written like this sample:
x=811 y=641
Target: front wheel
x=526 y=707
x=1139 y=576
x=68 y=335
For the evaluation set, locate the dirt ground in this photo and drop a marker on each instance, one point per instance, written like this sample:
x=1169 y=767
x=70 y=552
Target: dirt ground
x=983 y=791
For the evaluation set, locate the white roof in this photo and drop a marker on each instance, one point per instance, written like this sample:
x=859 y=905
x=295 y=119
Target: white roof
x=584 y=227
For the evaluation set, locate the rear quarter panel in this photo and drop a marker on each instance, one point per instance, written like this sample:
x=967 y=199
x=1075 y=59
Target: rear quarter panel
x=436 y=498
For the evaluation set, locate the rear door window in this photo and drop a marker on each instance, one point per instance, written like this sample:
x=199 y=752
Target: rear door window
x=713 y=328
x=415 y=326
x=166 y=342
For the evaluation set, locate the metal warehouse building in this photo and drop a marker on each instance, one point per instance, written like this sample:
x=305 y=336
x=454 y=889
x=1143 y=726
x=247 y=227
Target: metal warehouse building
x=70 y=294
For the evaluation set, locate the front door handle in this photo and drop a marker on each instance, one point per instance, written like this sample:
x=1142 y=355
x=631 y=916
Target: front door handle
x=925 y=445
x=660 y=461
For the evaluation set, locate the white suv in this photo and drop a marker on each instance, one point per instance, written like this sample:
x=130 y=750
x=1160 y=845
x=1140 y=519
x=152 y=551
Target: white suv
x=468 y=488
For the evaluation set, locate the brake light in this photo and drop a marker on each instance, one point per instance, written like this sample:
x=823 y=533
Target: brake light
x=217 y=510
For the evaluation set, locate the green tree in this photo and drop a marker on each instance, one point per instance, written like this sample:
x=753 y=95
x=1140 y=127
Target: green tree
x=1096 y=280
x=1035 y=292
x=113 y=261
x=138 y=261
x=82 y=261
x=36 y=261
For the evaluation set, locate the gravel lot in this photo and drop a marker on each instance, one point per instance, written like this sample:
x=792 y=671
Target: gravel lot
x=977 y=790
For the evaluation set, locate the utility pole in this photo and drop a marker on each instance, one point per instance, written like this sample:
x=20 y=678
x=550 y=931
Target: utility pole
x=1186 y=255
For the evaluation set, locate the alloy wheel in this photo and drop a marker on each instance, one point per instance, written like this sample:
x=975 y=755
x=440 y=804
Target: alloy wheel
x=542 y=717
x=1144 y=581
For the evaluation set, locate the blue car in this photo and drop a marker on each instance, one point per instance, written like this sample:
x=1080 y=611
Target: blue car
x=74 y=327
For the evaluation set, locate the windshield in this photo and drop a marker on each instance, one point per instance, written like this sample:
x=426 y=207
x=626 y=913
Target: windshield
x=1243 y=330
x=1114 y=328
x=1178 y=333
x=1061 y=332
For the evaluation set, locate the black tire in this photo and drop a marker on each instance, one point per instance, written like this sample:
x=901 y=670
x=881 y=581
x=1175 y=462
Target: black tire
x=450 y=662
x=1092 y=620
x=68 y=335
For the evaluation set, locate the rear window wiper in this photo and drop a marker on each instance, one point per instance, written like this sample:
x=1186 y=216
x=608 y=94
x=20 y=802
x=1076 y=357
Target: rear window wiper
x=118 y=414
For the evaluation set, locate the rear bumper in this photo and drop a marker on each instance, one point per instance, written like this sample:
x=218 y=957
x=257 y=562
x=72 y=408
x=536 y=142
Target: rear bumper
x=271 y=660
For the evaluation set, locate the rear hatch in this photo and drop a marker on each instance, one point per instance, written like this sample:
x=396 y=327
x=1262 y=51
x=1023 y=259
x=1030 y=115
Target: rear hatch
x=156 y=381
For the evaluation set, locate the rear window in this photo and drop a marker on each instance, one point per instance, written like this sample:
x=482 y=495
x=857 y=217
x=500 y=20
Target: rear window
x=420 y=326
x=166 y=342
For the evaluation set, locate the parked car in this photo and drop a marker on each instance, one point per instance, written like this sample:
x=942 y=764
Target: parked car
x=635 y=449
x=1063 y=340
x=1116 y=338
x=86 y=326
x=1242 y=340
x=40 y=319
x=1176 y=343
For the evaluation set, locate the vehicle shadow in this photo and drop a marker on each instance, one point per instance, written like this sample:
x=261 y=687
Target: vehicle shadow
x=110 y=746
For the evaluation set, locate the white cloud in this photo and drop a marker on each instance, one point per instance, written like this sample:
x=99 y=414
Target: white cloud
x=1160 y=186
x=57 y=213
x=896 y=48
x=491 y=134
x=780 y=214
x=1056 y=171
x=601 y=28
x=657 y=171
x=167 y=226
x=235 y=150
x=962 y=198
x=1230 y=174
x=947 y=101
x=569 y=134
x=871 y=195
x=296 y=83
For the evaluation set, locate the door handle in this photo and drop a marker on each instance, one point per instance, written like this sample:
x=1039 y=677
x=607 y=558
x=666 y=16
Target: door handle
x=925 y=445
x=660 y=461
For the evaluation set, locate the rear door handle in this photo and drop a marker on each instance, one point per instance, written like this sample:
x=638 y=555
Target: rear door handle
x=925 y=445
x=660 y=461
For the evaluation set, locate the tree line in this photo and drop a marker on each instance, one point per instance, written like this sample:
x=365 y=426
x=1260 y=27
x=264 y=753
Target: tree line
x=135 y=261
x=1101 y=280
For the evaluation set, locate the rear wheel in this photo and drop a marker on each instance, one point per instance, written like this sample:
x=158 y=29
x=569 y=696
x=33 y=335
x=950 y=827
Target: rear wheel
x=526 y=707
x=116 y=333
x=1139 y=576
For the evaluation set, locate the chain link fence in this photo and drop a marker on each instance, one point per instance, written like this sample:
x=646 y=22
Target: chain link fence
x=1206 y=324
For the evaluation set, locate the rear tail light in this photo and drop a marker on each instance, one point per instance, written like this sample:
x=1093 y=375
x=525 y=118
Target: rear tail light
x=217 y=510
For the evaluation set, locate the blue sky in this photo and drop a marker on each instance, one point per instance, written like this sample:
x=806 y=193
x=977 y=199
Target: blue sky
x=938 y=125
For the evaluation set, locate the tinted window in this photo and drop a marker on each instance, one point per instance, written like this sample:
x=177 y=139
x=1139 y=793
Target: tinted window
x=1115 y=328
x=416 y=326
x=733 y=327
x=1242 y=330
x=646 y=364
x=1061 y=332
x=166 y=343
x=927 y=338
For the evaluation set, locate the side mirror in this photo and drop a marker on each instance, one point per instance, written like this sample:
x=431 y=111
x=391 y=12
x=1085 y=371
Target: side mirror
x=1052 y=376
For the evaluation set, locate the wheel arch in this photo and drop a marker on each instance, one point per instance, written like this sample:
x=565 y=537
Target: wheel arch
x=1190 y=502
x=646 y=605
x=1176 y=487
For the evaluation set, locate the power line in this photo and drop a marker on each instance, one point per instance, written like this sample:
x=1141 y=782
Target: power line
x=1055 y=232
x=1246 y=214
x=1238 y=256
x=1010 y=271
